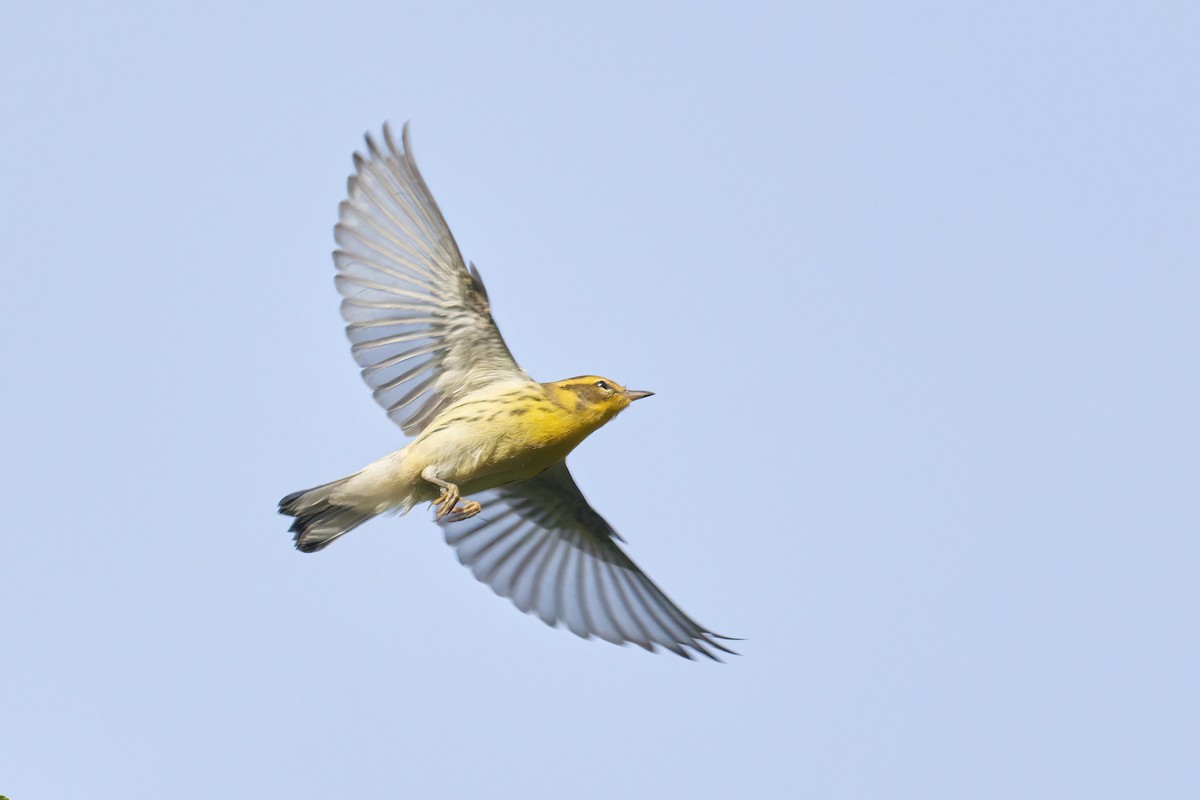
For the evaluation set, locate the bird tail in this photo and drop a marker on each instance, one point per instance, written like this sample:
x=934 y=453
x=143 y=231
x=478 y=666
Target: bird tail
x=320 y=520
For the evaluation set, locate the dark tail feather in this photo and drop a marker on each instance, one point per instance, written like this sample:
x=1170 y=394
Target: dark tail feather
x=318 y=520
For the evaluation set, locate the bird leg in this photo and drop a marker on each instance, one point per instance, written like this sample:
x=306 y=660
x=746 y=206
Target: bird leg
x=447 y=504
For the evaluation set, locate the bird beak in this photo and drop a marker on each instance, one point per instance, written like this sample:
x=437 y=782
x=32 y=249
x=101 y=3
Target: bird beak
x=636 y=395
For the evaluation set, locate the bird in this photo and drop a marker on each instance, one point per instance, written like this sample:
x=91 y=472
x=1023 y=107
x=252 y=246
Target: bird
x=489 y=442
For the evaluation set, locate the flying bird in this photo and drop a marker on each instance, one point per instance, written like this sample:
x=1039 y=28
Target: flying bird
x=489 y=441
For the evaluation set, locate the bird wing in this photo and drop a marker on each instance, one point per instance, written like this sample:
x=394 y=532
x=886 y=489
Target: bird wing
x=418 y=320
x=539 y=543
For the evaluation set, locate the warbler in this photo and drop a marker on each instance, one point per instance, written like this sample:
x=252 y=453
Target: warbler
x=421 y=328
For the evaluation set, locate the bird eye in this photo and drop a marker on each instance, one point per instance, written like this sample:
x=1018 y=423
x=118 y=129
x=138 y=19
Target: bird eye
x=604 y=385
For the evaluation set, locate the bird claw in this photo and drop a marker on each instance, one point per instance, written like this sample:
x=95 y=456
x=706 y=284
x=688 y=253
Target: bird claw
x=447 y=506
x=465 y=511
x=447 y=502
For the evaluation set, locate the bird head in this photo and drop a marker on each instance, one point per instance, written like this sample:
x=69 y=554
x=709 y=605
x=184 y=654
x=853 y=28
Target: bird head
x=599 y=397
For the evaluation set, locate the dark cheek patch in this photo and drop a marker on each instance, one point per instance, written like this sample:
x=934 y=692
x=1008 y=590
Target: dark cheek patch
x=586 y=392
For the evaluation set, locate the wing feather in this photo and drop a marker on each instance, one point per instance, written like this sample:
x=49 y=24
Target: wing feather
x=418 y=319
x=539 y=543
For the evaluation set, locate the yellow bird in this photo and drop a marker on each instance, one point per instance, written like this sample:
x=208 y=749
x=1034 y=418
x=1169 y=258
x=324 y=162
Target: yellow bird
x=421 y=328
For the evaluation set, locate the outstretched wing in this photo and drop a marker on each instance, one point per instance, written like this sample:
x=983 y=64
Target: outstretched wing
x=419 y=322
x=539 y=543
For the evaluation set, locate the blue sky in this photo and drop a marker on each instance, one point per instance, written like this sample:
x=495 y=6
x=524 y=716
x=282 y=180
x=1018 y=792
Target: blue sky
x=917 y=289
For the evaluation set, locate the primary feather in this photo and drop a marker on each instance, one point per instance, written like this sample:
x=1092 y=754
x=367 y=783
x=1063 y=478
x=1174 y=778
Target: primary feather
x=419 y=322
x=546 y=549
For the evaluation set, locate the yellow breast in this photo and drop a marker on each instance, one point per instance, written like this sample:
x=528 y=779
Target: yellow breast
x=511 y=434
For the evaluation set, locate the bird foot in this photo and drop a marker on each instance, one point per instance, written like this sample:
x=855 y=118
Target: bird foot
x=447 y=502
x=465 y=511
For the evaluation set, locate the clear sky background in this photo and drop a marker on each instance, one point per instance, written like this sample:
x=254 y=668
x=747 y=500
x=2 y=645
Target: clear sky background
x=918 y=288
